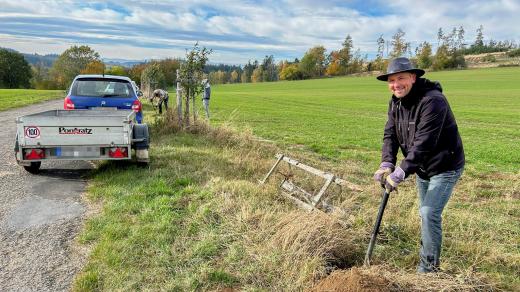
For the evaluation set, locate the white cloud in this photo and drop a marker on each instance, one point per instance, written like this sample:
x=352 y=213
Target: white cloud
x=245 y=30
x=93 y=15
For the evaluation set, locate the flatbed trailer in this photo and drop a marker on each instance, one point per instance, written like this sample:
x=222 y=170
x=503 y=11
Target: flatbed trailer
x=95 y=134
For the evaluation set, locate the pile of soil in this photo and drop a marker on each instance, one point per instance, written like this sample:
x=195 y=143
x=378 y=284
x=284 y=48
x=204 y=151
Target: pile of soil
x=353 y=280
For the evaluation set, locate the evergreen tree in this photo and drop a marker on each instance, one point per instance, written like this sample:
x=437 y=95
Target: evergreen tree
x=269 y=70
x=440 y=36
x=345 y=54
x=479 y=40
x=460 y=38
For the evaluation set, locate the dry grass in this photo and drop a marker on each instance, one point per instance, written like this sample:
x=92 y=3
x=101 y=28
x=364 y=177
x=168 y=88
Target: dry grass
x=303 y=234
x=404 y=281
x=385 y=278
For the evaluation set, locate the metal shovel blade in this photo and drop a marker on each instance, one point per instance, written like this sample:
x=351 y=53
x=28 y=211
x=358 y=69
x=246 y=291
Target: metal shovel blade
x=372 y=243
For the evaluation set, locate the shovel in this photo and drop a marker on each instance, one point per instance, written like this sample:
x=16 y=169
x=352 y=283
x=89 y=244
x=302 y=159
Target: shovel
x=376 y=227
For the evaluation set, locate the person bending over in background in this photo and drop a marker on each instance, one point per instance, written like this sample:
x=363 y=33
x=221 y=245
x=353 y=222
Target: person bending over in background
x=421 y=123
x=161 y=96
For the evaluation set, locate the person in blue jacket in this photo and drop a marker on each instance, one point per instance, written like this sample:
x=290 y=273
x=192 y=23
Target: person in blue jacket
x=421 y=124
x=206 y=94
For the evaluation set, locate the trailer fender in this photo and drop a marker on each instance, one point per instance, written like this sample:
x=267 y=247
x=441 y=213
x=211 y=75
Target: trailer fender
x=16 y=145
x=140 y=137
x=17 y=153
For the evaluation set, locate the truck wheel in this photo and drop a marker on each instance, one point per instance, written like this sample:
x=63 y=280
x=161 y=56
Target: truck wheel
x=34 y=168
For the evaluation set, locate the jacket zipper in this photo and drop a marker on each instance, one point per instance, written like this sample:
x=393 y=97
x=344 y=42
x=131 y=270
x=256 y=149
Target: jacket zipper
x=399 y=130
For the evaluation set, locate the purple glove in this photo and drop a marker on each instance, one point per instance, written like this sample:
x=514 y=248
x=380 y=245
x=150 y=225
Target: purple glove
x=385 y=168
x=394 y=179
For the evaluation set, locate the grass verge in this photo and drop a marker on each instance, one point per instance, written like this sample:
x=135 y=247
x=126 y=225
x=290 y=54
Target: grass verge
x=14 y=98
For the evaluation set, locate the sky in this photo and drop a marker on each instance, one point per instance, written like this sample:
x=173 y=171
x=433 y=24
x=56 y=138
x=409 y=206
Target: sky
x=238 y=31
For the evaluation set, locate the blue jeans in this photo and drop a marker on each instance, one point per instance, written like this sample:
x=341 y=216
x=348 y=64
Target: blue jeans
x=434 y=193
x=205 y=102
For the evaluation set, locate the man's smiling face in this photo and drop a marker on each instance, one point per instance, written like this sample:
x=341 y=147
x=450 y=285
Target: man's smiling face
x=400 y=84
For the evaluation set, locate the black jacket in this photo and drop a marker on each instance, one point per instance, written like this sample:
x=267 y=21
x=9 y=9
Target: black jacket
x=423 y=126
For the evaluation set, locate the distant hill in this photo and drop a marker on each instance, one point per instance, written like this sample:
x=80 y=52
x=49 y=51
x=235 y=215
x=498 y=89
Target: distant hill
x=122 y=62
x=48 y=60
x=45 y=60
x=34 y=59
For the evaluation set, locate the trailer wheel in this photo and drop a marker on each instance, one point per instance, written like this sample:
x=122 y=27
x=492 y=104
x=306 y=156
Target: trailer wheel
x=140 y=131
x=34 y=168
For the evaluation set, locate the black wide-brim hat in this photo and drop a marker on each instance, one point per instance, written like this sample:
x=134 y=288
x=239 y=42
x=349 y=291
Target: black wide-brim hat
x=399 y=65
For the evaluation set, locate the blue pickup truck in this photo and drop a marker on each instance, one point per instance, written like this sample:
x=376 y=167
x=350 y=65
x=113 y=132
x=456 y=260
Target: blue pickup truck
x=103 y=91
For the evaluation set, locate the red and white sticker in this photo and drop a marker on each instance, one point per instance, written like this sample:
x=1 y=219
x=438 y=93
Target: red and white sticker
x=32 y=132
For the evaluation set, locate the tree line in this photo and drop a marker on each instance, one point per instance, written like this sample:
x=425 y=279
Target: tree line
x=15 y=71
x=316 y=62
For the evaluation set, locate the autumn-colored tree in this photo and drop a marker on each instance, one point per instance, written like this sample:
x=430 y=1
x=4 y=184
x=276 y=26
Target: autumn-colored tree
x=71 y=62
x=442 y=58
x=357 y=62
x=399 y=46
x=424 y=55
x=244 y=78
x=152 y=78
x=313 y=62
x=234 y=76
x=290 y=72
x=248 y=71
x=116 y=70
x=94 y=67
x=218 y=77
x=257 y=75
x=135 y=72
x=169 y=68
x=334 y=68
x=449 y=53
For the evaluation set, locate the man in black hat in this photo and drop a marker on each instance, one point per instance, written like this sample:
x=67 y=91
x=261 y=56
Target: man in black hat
x=421 y=124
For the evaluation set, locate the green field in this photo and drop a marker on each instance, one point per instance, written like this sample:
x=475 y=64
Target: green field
x=13 y=98
x=344 y=117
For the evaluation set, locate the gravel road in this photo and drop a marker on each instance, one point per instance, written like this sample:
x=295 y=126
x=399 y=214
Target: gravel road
x=40 y=215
